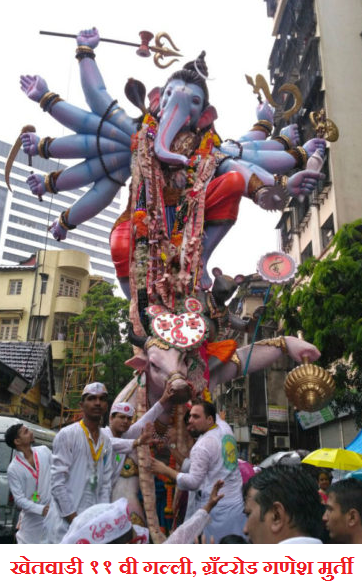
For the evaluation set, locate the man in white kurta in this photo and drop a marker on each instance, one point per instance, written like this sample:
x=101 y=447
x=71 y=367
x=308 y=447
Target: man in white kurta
x=81 y=470
x=29 y=482
x=125 y=436
x=213 y=457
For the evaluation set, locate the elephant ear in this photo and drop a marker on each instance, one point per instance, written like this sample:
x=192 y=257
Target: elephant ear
x=155 y=97
x=208 y=116
x=137 y=362
x=136 y=93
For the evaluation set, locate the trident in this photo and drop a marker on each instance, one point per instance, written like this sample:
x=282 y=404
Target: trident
x=143 y=49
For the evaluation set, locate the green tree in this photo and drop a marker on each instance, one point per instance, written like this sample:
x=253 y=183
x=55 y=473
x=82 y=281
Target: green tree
x=108 y=314
x=327 y=306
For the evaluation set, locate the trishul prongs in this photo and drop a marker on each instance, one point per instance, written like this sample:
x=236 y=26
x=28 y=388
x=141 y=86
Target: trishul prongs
x=161 y=51
x=261 y=84
x=143 y=49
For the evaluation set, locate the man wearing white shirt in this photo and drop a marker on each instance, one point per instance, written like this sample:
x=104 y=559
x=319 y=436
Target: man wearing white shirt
x=283 y=506
x=81 y=470
x=125 y=436
x=29 y=482
x=213 y=457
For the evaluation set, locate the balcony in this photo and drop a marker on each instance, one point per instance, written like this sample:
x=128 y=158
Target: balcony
x=58 y=349
x=72 y=305
x=74 y=260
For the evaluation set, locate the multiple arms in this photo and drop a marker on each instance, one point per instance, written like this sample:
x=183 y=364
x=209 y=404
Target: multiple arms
x=192 y=528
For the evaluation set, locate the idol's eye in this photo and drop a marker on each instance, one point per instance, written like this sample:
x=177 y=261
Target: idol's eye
x=196 y=100
x=168 y=92
x=156 y=368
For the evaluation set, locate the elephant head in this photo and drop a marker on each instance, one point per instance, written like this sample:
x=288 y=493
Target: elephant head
x=182 y=104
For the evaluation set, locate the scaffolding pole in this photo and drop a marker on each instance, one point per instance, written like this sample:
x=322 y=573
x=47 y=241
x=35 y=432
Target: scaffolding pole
x=79 y=370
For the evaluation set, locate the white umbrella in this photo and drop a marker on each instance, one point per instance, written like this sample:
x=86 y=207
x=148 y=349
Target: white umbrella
x=284 y=458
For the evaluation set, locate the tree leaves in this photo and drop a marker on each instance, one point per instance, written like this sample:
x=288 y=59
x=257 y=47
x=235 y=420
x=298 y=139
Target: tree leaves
x=108 y=314
x=326 y=303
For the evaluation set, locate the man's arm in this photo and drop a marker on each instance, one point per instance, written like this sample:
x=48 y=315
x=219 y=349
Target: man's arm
x=106 y=487
x=149 y=417
x=192 y=528
x=17 y=489
x=62 y=456
x=201 y=458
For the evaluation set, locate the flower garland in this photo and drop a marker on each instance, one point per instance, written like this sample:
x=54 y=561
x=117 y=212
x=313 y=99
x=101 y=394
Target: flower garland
x=162 y=266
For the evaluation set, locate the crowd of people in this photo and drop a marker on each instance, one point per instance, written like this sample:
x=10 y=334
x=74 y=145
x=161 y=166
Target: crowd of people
x=68 y=495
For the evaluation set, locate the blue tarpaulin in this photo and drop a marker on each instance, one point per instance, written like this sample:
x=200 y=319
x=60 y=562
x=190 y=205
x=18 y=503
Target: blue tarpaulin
x=356 y=444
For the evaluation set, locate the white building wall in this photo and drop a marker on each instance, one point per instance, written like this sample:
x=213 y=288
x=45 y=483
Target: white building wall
x=340 y=26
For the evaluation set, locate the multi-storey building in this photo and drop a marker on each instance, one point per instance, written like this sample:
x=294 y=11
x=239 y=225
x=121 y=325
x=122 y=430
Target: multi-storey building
x=38 y=297
x=256 y=405
x=318 y=47
x=24 y=220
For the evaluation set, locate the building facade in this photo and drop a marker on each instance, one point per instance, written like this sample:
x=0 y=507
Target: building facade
x=39 y=296
x=24 y=220
x=318 y=47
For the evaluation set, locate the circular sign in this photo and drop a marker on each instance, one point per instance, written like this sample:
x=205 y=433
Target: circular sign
x=193 y=305
x=276 y=267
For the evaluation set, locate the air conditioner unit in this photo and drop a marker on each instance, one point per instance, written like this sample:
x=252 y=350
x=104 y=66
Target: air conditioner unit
x=242 y=434
x=281 y=442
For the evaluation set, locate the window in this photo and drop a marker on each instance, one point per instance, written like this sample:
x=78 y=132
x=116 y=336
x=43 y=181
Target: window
x=60 y=327
x=307 y=252
x=327 y=230
x=9 y=329
x=43 y=284
x=37 y=328
x=5 y=456
x=69 y=287
x=15 y=287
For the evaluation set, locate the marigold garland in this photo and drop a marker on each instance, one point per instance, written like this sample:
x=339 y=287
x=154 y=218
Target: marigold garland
x=206 y=395
x=138 y=221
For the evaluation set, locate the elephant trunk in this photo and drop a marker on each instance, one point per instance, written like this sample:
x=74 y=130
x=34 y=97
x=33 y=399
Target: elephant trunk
x=173 y=118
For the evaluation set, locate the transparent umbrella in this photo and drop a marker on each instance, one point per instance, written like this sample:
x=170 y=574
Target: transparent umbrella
x=356 y=474
x=284 y=458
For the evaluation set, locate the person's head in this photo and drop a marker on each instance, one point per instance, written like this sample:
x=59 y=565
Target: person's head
x=233 y=539
x=105 y=524
x=120 y=418
x=282 y=502
x=324 y=480
x=19 y=436
x=202 y=417
x=343 y=514
x=94 y=402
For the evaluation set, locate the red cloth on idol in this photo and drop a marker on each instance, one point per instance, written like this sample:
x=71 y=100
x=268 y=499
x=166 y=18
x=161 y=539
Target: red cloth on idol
x=223 y=196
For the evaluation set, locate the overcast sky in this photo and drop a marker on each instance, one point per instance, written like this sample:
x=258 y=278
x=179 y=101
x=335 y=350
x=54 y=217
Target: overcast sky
x=236 y=35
